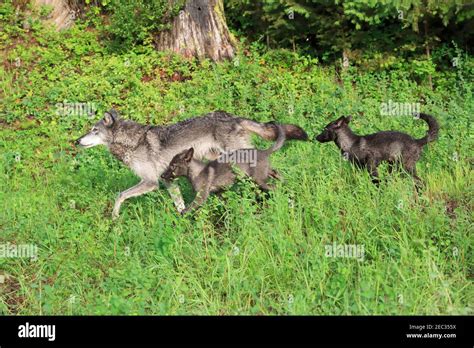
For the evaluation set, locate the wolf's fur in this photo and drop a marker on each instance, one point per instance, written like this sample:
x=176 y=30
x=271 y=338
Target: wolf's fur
x=370 y=150
x=148 y=150
x=215 y=175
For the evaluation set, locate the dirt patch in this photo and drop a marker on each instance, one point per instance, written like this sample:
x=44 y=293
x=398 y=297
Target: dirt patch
x=451 y=205
x=10 y=291
x=146 y=78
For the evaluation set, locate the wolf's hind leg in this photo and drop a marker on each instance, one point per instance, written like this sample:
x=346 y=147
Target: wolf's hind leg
x=275 y=175
x=391 y=167
x=411 y=169
x=141 y=188
x=265 y=186
x=176 y=196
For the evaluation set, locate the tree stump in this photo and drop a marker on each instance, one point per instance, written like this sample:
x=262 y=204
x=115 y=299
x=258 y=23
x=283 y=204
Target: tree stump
x=63 y=14
x=200 y=30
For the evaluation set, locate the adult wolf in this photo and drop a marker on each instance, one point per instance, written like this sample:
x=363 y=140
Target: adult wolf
x=148 y=150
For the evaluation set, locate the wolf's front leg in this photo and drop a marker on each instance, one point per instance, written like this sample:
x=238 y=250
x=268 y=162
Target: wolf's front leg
x=201 y=197
x=141 y=188
x=372 y=167
x=175 y=194
x=202 y=194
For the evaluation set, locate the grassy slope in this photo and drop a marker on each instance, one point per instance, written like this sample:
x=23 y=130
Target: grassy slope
x=238 y=254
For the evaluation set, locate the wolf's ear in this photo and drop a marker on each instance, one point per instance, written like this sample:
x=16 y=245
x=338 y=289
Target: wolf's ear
x=188 y=156
x=110 y=117
x=340 y=121
x=347 y=119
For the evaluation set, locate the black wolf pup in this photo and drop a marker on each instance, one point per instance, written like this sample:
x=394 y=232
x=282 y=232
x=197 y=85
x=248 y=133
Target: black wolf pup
x=218 y=174
x=370 y=150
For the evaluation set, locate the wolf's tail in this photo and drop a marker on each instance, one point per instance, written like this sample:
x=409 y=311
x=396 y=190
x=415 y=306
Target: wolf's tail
x=269 y=130
x=279 y=141
x=433 y=129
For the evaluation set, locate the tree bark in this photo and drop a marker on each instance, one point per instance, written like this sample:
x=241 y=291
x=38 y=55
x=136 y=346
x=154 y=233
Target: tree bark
x=200 y=30
x=428 y=52
x=63 y=14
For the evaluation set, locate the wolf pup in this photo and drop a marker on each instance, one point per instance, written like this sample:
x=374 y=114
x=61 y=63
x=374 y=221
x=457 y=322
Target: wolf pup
x=148 y=150
x=370 y=150
x=216 y=175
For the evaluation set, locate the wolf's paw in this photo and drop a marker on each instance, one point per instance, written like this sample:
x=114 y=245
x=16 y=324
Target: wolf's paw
x=179 y=204
x=115 y=215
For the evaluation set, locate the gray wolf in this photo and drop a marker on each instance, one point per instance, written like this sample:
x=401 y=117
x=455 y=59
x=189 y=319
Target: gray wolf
x=218 y=174
x=148 y=150
x=370 y=150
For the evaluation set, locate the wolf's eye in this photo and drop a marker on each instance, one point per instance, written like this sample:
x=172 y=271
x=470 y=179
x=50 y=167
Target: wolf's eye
x=95 y=130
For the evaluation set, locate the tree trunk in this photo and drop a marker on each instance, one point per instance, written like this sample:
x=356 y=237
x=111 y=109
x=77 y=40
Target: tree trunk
x=200 y=30
x=428 y=52
x=63 y=14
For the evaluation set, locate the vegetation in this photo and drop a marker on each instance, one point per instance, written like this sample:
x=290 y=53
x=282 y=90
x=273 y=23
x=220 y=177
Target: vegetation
x=133 y=22
x=365 y=29
x=244 y=252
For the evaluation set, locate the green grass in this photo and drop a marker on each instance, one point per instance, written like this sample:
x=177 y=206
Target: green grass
x=243 y=252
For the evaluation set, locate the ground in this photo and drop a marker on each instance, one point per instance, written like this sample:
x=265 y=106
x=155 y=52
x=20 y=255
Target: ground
x=243 y=252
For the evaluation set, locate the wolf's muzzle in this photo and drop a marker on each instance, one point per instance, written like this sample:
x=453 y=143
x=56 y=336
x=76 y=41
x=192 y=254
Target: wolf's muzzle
x=323 y=138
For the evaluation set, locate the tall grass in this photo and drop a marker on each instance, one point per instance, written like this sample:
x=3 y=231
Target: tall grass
x=244 y=252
